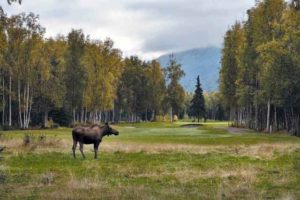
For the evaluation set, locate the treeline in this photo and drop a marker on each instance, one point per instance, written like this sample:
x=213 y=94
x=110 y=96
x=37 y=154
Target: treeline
x=260 y=74
x=75 y=79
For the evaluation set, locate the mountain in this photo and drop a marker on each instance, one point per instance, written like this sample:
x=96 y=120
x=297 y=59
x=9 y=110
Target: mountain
x=204 y=62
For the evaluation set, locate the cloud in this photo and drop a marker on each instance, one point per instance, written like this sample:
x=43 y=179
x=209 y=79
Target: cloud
x=142 y=27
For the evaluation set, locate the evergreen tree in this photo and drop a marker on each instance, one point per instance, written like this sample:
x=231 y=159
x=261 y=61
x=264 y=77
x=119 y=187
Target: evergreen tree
x=198 y=104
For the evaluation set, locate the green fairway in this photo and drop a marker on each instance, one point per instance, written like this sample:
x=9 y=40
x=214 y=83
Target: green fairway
x=152 y=161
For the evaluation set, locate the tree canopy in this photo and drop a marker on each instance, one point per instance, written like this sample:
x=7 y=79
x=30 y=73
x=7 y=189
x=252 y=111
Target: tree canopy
x=259 y=78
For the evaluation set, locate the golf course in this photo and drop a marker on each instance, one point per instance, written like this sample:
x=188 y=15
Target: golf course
x=152 y=161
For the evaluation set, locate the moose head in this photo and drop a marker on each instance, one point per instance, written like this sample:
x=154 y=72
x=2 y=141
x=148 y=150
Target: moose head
x=108 y=130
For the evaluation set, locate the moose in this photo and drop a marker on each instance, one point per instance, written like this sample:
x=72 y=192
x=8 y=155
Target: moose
x=91 y=135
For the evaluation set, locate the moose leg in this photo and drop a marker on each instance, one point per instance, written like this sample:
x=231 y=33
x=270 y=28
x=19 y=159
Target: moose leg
x=74 y=148
x=81 y=149
x=96 y=145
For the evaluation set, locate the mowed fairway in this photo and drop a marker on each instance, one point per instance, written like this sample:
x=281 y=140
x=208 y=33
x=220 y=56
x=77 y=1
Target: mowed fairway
x=152 y=161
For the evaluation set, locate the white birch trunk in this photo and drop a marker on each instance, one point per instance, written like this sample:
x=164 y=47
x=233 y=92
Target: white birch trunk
x=20 y=108
x=25 y=107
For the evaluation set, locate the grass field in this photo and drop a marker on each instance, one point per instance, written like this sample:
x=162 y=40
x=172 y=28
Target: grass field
x=152 y=161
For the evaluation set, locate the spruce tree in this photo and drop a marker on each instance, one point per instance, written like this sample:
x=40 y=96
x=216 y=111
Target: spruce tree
x=198 y=104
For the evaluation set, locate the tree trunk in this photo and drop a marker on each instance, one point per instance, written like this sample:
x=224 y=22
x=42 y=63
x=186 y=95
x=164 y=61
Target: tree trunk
x=275 y=119
x=9 y=115
x=74 y=117
x=171 y=115
x=82 y=115
x=46 y=118
x=286 y=121
x=106 y=116
x=268 y=116
x=20 y=108
x=3 y=102
x=113 y=113
x=29 y=112
x=256 y=117
x=27 y=118
x=100 y=117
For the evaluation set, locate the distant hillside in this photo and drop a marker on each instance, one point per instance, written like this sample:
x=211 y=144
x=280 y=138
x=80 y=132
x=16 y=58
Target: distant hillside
x=203 y=61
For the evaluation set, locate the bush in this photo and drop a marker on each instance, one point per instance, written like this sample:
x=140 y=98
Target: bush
x=60 y=117
x=27 y=140
x=8 y=128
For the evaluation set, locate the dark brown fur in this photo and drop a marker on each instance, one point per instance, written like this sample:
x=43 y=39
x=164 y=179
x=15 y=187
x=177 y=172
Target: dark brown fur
x=90 y=135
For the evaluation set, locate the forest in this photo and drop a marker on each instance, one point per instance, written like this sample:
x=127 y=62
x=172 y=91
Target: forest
x=260 y=73
x=73 y=79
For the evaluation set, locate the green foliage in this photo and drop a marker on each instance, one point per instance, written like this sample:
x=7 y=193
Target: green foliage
x=197 y=107
x=75 y=74
x=141 y=90
x=259 y=78
x=103 y=68
x=175 y=92
x=234 y=41
x=86 y=78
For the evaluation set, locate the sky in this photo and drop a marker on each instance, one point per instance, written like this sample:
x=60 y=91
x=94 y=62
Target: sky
x=146 y=28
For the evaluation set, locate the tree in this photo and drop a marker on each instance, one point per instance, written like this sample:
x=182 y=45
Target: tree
x=233 y=44
x=75 y=73
x=296 y=4
x=103 y=68
x=3 y=53
x=214 y=106
x=265 y=86
x=155 y=88
x=132 y=97
x=198 y=104
x=76 y=76
x=29 y=66
x=51 y=87
x=175 y=92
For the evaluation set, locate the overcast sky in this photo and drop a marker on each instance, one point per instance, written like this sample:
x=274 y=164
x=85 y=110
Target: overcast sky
x=147 y=28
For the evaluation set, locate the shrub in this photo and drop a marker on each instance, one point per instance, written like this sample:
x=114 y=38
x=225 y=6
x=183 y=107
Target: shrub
x=27 y=140
x=47 y=179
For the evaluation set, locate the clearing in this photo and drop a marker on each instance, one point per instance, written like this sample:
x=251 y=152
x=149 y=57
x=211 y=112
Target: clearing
x=152 y=161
